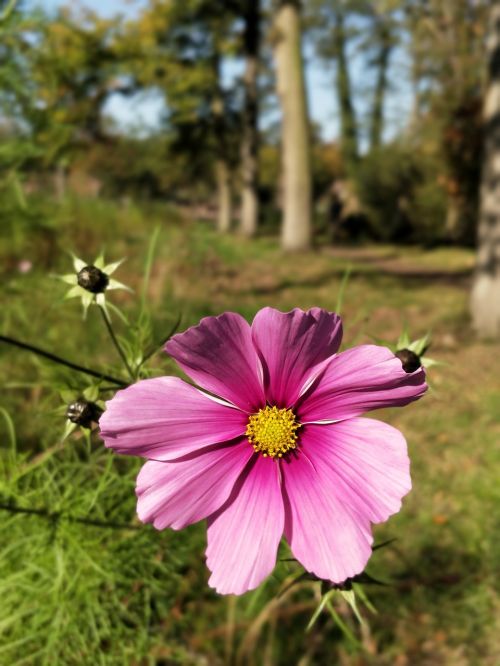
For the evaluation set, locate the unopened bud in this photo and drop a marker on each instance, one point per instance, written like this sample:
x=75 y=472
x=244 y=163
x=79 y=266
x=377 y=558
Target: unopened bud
x=409 y=360
x=83 y=412
x=93 y=279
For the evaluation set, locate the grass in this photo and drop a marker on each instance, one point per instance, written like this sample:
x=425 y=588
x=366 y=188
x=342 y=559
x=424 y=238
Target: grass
x=78 y=594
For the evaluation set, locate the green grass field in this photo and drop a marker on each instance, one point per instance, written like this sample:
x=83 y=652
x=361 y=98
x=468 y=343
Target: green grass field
x=73 y=593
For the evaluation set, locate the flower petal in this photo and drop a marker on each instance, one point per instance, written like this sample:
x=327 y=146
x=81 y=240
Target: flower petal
x=327 y=537
x=365 y=460
x=358 y=380
x=181 y=492
x=164 y=418
x=219 y=355
x=244 y=534
x=291 y=344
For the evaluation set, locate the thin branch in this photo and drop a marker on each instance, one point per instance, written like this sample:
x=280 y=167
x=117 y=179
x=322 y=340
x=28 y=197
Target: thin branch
x=115 y=342
x=61 y=361
x=51 y=515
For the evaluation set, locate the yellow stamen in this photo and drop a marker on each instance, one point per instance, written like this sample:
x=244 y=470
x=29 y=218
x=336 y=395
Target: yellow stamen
x=272 y=431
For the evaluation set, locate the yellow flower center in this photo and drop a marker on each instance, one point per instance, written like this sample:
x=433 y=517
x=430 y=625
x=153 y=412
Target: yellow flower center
x=272 y=431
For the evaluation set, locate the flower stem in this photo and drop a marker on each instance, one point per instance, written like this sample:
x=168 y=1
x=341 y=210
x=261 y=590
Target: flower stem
x=115 y=342
x=61 y=361
x=51 y=515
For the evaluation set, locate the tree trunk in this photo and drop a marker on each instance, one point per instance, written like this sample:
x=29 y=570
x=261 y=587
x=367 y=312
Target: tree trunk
x=222 y=167
x=296 y=161
x=250 y=143
x=485 y=298
x=223 y=196
x=348 y=124
x=377 y=116
x=60 y=181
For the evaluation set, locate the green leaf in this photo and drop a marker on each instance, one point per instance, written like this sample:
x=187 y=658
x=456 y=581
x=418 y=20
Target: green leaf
x=78 y=264
x=324 y=600
x=350 y=597
x=404 y=339
x=69 y=278
x=362 y=595
x=91 y=393
x=430 y=362
x=87 y=300
x=99 y=262
x=114 y=284
x=419 y=346
x=68 y=429
x=74 y=292
x=109 y=269
x=67 y=395
x=341 y=624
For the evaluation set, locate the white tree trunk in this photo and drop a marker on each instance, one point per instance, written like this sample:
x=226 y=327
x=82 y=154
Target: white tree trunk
x=297 y=214
x=223 y=196
x=485 y=297
x=60 y=181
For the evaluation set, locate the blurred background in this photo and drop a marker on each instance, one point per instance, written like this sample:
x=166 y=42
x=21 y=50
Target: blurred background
x=238 y=154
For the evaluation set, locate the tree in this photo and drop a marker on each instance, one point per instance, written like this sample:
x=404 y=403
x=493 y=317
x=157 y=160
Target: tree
x=62 y=85
x=178 y=48
x=249 y=148
x=485 y=299
x=447 y=45
x=329 y=20
x=296 y=163
x=348 y=123
x=383 y=41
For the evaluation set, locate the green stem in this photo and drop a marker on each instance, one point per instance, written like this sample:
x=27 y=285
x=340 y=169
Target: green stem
x=61 y=361
x=117 y=345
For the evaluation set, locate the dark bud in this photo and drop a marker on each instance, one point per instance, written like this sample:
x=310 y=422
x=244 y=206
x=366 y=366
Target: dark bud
x=93 y=279
x=83 y=413
x=409 y=360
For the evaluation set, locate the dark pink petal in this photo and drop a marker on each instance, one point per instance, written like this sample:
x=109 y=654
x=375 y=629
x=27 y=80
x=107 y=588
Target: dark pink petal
x=244 y=535
x=181 y=492
x=165 y=418
x=366 y=461
x=219 y=355
x=358 y=380
x=325 y=534
x=291 y=344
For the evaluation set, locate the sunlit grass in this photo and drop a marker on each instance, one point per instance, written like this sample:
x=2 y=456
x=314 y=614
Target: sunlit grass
x=77 y=594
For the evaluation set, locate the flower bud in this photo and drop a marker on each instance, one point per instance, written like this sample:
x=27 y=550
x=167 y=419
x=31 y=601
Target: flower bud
x=92 y=279
x=83 y=412
x=409 y=360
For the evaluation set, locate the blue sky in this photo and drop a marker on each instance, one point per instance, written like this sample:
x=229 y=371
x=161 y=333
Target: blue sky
x=143 y=111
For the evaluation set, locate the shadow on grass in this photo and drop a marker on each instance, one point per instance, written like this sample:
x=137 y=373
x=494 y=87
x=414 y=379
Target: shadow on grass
x=408 y=278
x=440 y=569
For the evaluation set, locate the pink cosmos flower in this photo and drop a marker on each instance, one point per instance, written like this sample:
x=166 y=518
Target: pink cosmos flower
x=273 y=445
